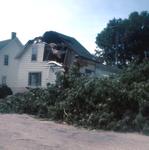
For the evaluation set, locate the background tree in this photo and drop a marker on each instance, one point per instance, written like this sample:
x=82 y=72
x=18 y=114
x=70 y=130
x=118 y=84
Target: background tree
x=124 y=40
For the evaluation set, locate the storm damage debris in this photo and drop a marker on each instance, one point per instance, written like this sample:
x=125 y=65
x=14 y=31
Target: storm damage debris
x=63 y=49
x=55 y=52
x=55 y=63
x=56 y=67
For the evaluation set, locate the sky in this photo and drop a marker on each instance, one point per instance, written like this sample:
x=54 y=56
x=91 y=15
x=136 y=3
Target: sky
x=81 y=19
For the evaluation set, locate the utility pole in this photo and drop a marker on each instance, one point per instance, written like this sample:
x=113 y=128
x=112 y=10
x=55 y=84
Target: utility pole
x=116 y=43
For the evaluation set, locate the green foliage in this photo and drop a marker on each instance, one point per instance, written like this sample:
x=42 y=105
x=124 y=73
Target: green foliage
x=124 y=40
x=36 y=101
x=115 y=103
x=5 y=91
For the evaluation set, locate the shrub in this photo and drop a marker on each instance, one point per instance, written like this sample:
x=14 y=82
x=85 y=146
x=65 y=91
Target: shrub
x=117 y=103
x=5 y=91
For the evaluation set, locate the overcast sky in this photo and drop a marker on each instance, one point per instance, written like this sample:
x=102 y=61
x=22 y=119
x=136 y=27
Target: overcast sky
x=82 y=19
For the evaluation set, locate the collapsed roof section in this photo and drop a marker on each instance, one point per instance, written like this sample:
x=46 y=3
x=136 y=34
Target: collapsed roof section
x=59 y=48
x=64 y=41
x=55 y=52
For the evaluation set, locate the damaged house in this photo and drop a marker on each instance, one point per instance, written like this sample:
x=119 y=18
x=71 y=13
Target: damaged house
x=43 y=57
x=67 y=51
x=38 y=62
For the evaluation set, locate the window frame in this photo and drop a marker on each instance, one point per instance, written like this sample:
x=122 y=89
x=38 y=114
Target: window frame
x=6 y=60
x=38 y=83
x=89 y=71
x=4 y=80
x=34 y=53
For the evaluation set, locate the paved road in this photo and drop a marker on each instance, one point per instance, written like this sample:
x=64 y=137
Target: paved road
x=23 y=132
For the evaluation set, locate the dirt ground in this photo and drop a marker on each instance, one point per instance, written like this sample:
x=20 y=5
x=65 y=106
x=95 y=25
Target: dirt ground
x=23 y=132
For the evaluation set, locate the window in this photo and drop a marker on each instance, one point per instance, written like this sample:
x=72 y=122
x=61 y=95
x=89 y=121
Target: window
x=4 y=78
x=89 y=72
x=34 y=53
x=6 y=60
x=146 y=53
x=34 y=79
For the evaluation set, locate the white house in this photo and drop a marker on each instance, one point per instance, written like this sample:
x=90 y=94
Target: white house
x=38 y=62
x=42 y=57
x=8 y=64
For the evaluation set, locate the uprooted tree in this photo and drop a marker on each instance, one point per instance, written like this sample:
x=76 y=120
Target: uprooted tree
x=124 y=40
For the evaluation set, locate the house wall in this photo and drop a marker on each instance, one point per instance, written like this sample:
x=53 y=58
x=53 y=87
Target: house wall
x=26 y=66
x=105 y=70
x=84 y=64
x=98 y=70
x=88 y=65
x=102 y=73
x=10 y=71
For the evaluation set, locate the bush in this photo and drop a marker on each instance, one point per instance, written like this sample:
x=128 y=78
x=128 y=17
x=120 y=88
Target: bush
x=5 y=91
x=117 y=103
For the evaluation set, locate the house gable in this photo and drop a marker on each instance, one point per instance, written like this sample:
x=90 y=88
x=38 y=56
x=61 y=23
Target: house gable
x=9 y=49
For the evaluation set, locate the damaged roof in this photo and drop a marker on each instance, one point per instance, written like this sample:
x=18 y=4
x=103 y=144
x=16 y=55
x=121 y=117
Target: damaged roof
x=55 y=37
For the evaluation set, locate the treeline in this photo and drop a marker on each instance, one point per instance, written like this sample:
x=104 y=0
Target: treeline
x=116 y=103
x=124 y=40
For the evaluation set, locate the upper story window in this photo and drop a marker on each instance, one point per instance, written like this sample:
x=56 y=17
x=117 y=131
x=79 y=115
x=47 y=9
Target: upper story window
x=34 y=53
x=6 y=60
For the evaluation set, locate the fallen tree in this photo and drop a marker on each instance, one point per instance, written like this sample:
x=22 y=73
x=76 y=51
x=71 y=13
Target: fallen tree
x=115 y=103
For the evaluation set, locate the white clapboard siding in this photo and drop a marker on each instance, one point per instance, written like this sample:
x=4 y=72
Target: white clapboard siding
x=26 y=66
x=10 y=71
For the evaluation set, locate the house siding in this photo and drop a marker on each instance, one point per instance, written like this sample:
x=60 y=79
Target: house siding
x=88 y=65
x=10 y=70
x=84 y=64
x=26 y=66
